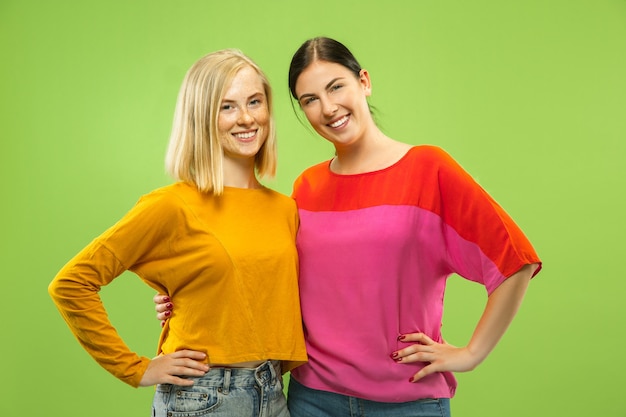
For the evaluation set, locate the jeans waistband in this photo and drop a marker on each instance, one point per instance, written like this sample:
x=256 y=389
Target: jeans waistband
x=226 y=378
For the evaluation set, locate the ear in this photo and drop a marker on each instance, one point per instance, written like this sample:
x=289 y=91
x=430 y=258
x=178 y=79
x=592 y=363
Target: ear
x=366 y=83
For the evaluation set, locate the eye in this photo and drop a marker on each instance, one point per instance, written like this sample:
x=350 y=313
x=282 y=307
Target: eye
x=226 y=107
x=308 y=100
x=256 y=102
x=335 y=87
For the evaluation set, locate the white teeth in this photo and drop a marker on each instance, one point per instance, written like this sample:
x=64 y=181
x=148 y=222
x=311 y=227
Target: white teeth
x=246 y=135
x=339 y=122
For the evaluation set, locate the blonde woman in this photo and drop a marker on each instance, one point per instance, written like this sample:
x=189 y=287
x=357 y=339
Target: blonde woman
x=216 y=242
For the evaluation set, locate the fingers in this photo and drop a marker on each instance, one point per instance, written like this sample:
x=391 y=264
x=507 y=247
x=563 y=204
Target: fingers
x=189 y=369
x=164 y=307
x=436 y=356
x=423 y=351
x=189 y=361
x=425 y=371
x=170 y=368
x=181 y=381
x=416 y=337
x=160 y=299
x=164 y=315
x=196 y=355
x=414 y=353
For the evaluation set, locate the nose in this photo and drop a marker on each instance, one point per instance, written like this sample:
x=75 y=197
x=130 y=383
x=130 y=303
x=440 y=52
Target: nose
x=329 y=108
x=245 y=118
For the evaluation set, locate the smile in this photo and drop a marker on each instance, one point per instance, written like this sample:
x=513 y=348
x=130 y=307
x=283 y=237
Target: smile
x=245 y=135
x=339 y=122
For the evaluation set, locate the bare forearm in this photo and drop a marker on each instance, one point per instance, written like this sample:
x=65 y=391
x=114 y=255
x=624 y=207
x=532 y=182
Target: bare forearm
x=501 y=308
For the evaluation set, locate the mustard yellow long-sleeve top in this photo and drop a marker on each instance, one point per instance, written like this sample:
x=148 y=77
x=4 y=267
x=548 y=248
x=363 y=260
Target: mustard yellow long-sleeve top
x=229 y=263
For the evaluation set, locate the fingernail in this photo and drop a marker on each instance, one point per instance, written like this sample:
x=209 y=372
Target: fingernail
x=401 y=337
x=167 y=313
x=169 y=306
x=412 y=379
x=162 y=324
x=394 y=355
x=166 y=299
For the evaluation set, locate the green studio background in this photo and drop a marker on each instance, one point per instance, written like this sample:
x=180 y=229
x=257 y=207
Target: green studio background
x=529 y=96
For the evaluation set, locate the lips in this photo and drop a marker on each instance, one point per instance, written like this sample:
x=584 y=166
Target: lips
x=339 y=122
x=245 y=136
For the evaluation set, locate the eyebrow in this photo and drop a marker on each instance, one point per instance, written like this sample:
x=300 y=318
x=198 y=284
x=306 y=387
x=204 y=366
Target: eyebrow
x=257 y=94
x=333 y=81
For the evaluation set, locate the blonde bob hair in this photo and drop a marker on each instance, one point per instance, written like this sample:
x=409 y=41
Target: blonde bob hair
x=195 y=154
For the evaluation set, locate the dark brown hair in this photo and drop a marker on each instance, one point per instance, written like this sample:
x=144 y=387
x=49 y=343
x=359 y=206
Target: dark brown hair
x=320 y=49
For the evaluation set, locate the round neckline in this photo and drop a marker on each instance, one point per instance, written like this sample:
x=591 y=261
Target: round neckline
x=230 y=188
x=398 y=162
x=226 y=188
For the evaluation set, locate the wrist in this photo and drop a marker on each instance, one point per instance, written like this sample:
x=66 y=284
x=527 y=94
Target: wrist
x=476 y=354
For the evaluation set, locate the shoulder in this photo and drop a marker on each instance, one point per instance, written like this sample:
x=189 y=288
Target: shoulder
x=167 y=200
x=317 y=170
x=430 y=153
x=313 y=174
x=173 y=192
x=269 y=206
x=278 y=198
x=154 y=214
x=433 y=160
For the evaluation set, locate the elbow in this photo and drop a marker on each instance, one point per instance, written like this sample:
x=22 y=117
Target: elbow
x=55 y=289
x=63 y=288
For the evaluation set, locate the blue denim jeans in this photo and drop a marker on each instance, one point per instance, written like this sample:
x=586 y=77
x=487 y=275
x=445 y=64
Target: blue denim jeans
x=307 y=402
x=225 y=392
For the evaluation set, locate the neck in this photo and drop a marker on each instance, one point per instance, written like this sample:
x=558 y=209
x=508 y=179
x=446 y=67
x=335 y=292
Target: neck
x=368 y=154
x=239 y=173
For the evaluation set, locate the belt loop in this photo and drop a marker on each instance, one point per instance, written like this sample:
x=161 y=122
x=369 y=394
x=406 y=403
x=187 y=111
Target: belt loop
x=226 y=381
x=275 y=369
x=272 y=368
x=262 y=373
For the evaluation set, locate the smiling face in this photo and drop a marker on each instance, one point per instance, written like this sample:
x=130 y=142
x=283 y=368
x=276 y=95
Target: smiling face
x=243 y=121
x=334 y=101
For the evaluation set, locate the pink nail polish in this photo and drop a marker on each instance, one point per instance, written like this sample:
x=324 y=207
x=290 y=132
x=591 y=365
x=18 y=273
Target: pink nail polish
x=167 y=313
x=169 y=306
x=412 y=379
x=394 y=355
x=401 y=337
x=166 y=299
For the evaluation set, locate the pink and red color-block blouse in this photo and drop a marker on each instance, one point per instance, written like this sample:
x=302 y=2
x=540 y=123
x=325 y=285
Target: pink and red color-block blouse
x=375 y=252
